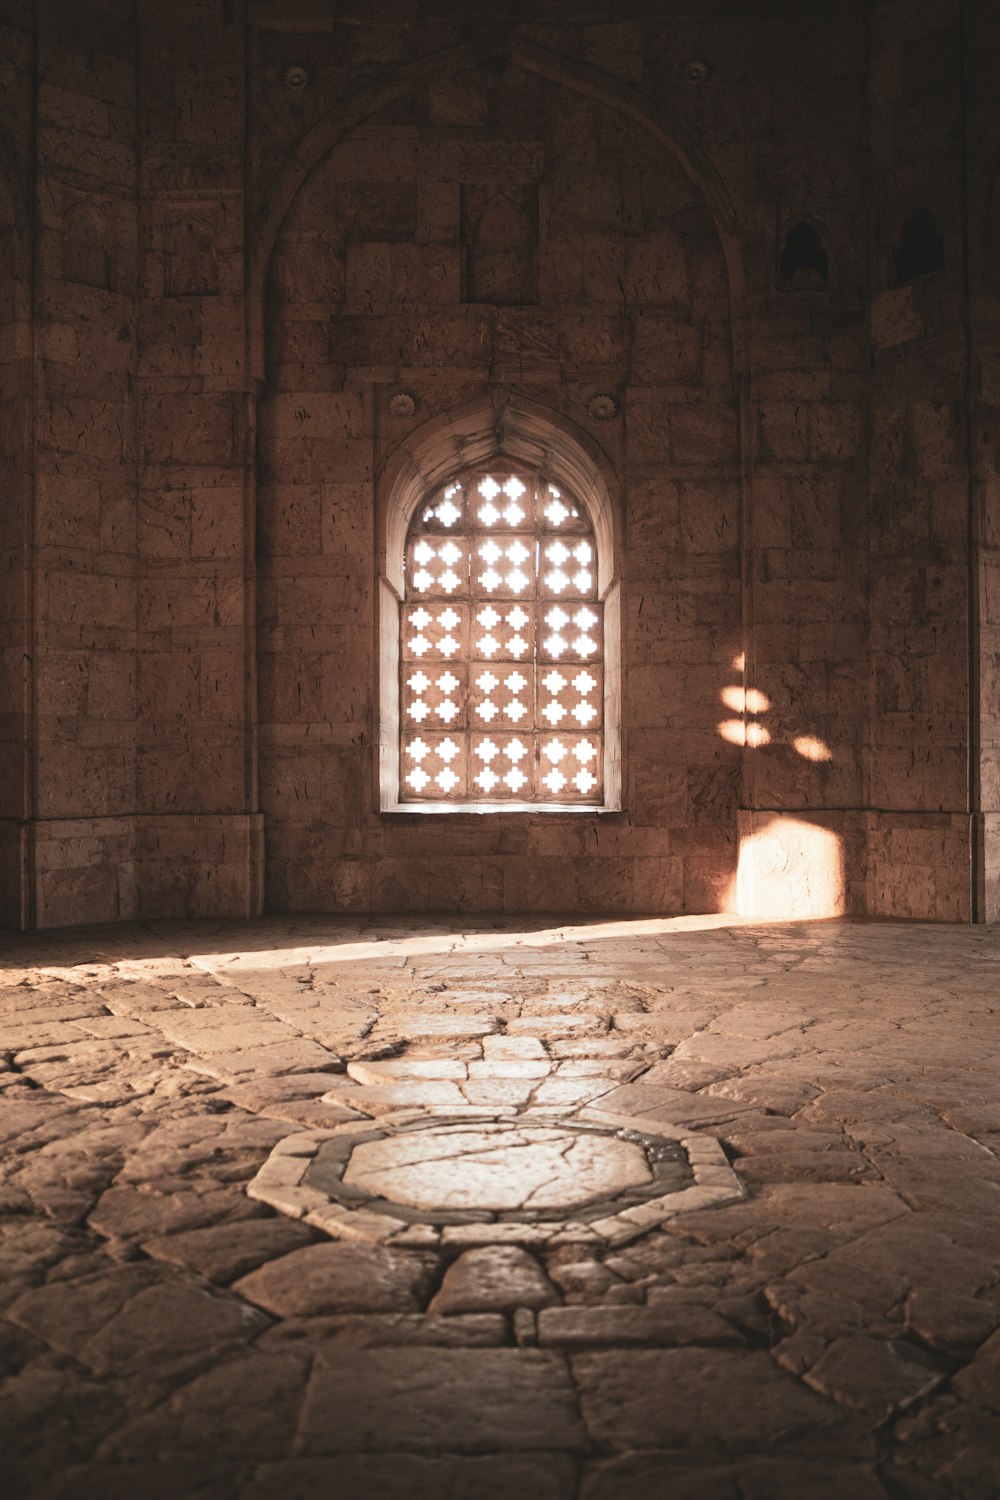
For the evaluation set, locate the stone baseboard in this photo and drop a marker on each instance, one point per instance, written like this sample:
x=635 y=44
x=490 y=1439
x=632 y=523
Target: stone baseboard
x=65 y=872
x=796 y=864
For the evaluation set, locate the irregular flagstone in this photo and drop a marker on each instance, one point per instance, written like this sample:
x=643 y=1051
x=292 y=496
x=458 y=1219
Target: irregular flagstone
x=298 y=1055
x=875 y=1287
x=876 y=1376
x=408 y=1476
x=670 y=1105
x=204 y=1478
x=137 y=1322
x=920 y=1253
x=375 y=1099
x=642 y=1476
x=407 y=1070
x=339 y=1277
x=949 y=1322
x=501 y=1093
x=127 y=1212
x=392 y=1330
x=893 y=1073
x=493 y=1278
x=419 y=1024
x=222 y=1252
x=247 y=1405
x=497 y=1067
x=67 y=1315
x=671 y=1323
x=731 y=1398
x=809 y=1166
x=466 y=1401
x=51 y=1414
x=980 y=1380
x=955 y=1442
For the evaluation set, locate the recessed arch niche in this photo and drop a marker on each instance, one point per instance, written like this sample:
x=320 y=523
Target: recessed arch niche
x=629 y=400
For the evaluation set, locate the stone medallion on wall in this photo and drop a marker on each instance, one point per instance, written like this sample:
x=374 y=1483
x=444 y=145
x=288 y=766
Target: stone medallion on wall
x=488 y=1180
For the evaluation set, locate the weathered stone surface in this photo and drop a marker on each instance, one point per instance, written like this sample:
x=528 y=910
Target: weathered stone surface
x=137 y=1322
x=575 y=1328
x=222 y=1252
x=729 y=1397
x=408 y=1476
x=874 y=1375
x=493 y=1278
x=338 y=1278
x=530 y=1166
x=130 y=1213
x=639 y=1476
x=467 y=1401
x=698 y=1348
x=245 y=1405
x=393 y=1331
x=978 y=1381
x=204 y=1477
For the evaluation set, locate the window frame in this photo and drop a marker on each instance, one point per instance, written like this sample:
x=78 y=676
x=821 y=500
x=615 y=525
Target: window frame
x=439 y=453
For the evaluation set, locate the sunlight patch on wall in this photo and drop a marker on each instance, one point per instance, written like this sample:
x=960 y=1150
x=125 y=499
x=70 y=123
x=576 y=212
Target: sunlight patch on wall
x=812 y=748
x=738 y=732
x=788 y=870
x=745 y=700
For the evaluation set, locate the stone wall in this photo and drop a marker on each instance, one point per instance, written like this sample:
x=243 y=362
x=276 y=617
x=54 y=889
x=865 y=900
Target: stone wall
x=806 y=442
x=919 y=628
x=622 y=293
x=234 y=231
x=982 y=144
x=198 y=835
x=16 y=405
x=84 y=465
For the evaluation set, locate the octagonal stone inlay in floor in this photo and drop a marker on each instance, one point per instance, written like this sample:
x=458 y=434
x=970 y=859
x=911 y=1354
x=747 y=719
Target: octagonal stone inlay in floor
x=528 y=1167
x=430 y=1181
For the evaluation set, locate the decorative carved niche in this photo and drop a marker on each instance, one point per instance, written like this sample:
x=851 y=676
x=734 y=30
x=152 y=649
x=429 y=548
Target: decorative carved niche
x=87 y=252
x=803 y=262
x=921 y=248
x=192 y=257
x=500 y=238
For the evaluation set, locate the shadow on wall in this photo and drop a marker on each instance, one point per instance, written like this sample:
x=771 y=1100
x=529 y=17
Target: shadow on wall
x=787 y=868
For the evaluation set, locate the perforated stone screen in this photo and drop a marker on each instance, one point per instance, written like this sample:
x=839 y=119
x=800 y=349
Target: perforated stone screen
x=501 y=666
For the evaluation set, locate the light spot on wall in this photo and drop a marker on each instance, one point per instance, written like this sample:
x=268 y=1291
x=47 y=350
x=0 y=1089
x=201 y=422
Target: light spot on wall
x=812 y=748
x=745 y=700
x=739 y=733
x=789 y=870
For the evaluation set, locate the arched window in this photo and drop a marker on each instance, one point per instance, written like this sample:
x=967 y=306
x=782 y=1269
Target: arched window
x=520 y=507
x=501 y=646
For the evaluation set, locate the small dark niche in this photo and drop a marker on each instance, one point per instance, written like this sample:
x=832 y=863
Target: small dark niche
x=803 y=264
x=500 y=232
x=921 y=248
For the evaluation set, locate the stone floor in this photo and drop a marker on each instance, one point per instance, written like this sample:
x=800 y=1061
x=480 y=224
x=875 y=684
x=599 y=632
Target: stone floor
x=828 y=1334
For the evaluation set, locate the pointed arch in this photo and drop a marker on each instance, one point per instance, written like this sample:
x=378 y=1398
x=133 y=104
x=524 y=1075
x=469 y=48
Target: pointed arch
x=496 y=427
x=603 y=88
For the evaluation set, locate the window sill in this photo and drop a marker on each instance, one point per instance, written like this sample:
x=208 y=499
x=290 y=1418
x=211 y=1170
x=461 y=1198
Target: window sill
x=479 y=809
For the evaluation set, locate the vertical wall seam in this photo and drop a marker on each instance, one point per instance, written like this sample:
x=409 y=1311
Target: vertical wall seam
x=29 y=871
x=973 y=542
